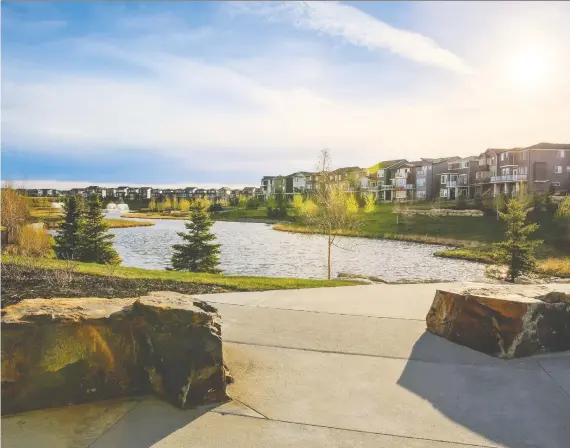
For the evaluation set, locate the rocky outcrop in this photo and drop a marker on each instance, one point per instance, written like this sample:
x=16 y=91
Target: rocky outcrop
x=503 y=321
x=57 y=352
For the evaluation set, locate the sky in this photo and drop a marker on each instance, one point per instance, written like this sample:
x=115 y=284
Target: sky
x=222 y=93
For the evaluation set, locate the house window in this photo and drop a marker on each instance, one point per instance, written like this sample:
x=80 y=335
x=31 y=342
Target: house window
x=444 y=179
x=421 y=182
x=558 y=169
x=443 y=192
x=502 y=156
x=555 y=184
x=560 y=154
x=381 y=173
x=524 y=155
x=568 y=168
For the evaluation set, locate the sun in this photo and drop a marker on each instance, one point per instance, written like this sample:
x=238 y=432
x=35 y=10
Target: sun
x=528 y=68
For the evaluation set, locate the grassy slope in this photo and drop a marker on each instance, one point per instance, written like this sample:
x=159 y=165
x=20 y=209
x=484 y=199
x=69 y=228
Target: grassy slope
x=235 y=214
x=237 y=283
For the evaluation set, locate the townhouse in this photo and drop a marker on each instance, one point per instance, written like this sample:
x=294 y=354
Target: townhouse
x=458 y=179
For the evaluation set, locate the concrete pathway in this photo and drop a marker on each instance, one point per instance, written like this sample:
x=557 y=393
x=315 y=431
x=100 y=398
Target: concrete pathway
x=334 y=367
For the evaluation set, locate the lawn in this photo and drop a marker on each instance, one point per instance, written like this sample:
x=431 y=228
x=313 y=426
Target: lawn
x=230 y=214
x=24 y=277
x=447 y=230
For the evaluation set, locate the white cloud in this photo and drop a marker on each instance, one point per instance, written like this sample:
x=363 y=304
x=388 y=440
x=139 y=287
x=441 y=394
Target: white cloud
x=271 y=113
x=357 y=28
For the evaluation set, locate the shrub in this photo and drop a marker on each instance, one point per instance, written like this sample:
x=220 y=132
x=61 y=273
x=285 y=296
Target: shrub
x=215 y=208
x=33 y=242
x=252 y=204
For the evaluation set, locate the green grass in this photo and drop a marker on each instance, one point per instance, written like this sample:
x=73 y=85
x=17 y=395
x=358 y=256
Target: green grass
x=236 y=283
x=448 y=230
x=51 y=218
x=549 y=261
x=231 y=214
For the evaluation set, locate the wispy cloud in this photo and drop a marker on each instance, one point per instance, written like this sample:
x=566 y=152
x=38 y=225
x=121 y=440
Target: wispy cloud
x=358 y=28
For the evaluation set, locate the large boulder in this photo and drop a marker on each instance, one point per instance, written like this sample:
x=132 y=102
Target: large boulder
x=503 y=321
x=57 y=352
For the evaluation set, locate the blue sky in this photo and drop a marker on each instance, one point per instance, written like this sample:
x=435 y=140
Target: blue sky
x=214 y=93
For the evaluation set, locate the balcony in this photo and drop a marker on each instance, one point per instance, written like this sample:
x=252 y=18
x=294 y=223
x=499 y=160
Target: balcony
x=509 y=178
x=386 y=187
x=450 y=183
x=462 y=182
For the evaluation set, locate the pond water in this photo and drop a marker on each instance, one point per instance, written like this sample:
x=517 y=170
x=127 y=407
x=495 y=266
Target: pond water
x=256 y=249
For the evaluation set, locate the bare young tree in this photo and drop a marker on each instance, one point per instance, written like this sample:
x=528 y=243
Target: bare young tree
x=329 y=210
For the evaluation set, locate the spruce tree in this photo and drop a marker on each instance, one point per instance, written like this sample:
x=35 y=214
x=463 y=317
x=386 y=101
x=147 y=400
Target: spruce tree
x=517 y=251
x=96 y=245
x=197 y=253
x=68 y=236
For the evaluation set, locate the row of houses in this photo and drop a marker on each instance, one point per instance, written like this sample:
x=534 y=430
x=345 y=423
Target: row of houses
x=540 y=167
x=147 y=193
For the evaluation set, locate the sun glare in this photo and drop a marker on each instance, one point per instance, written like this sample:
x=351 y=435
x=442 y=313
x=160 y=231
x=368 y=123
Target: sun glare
x=528 y=68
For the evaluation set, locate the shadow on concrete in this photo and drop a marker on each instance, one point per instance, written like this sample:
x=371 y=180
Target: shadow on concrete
x=508 y=402
x=150 y=421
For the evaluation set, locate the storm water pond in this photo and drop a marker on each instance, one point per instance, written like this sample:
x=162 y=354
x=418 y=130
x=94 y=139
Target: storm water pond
x=256 y=249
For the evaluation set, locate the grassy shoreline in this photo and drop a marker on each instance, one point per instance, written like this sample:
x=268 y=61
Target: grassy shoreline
x=25 y=277
x=547 y=265
x=412 y=238
x=51 y=220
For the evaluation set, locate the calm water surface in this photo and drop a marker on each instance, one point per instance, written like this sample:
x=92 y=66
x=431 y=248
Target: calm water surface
x=257 y=249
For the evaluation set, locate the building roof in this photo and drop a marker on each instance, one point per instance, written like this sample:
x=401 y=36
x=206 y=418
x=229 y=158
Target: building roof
x=545 y=145
x=441 y=159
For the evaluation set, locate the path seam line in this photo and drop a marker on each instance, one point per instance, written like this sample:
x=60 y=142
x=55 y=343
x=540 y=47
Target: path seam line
x=553 y=380
x=369 y=355
x=361 y=431
x=138 y=402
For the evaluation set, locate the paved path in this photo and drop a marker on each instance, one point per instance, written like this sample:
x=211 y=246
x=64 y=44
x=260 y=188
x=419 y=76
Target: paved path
x=338 y=367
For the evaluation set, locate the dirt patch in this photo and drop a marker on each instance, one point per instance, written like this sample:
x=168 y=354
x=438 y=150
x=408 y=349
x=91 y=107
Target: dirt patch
x=28 y=282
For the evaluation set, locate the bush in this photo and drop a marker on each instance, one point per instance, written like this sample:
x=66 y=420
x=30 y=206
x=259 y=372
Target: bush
x=215 y=208
x=277 y=212
x=33 y=242
x=478 y=202
x=252 y=204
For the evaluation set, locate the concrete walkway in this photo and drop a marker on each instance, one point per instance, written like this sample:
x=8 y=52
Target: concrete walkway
x=334 y=367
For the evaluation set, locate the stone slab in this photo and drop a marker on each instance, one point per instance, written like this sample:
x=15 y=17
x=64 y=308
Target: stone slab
x=478 y=405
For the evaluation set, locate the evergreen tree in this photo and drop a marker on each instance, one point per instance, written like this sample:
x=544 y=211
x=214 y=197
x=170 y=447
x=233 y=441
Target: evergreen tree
x=96 y=245
x=68 y=236
x=197 y=253
x=517 y=251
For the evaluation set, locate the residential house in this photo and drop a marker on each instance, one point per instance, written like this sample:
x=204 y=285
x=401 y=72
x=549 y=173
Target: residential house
x=267 y=186
x=145 y=192
x=79 y=192
x=299 y=182
x=224 y=194
x=546 y=164
x=405 y=181
x=249 y=192
x=123 y=192
x=189 y=192
x=200 y=193
x=428 y=177
x=458 y=179
x=369 y=185
x=539 y=167
x=348 y=178
x=211 y=194
x=386 y=173
x=95 y=190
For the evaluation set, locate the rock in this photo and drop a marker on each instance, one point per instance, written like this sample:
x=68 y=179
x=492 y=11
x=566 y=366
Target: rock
x=57 y=352
x=504 y=321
